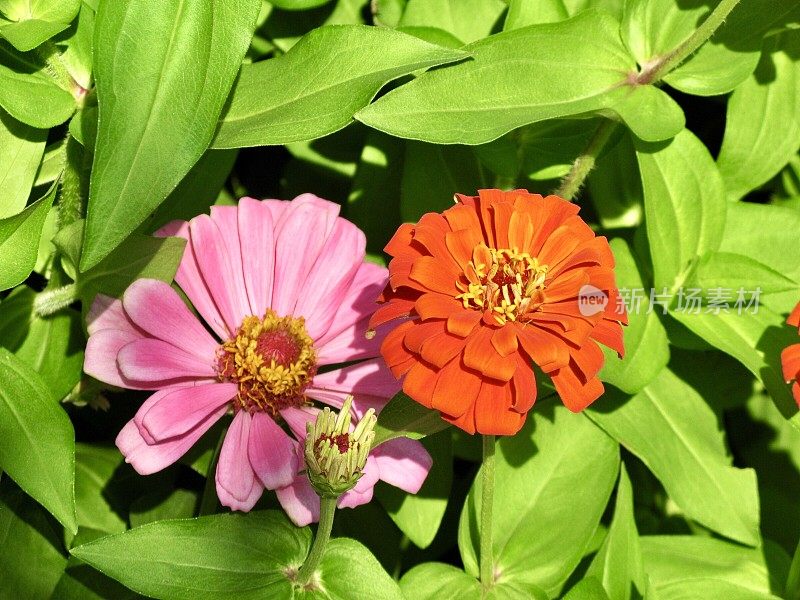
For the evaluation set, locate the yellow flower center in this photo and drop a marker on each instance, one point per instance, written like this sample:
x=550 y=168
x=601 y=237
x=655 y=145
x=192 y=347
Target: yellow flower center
x=273 y=361
x=505 y=281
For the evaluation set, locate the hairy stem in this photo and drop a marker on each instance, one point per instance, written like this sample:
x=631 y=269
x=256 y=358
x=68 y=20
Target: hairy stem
x=661 y=66
x=54 y=299
x=585 y=162
x=327 y=510
x=487 y=502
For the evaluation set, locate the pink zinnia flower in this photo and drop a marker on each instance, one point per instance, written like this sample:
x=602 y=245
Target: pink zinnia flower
x=285 y=290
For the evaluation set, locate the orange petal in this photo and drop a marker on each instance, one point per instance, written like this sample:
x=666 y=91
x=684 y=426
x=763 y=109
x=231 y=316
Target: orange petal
x=401 y=241
x=575 y=394
x=456 y=389
x=461 y=243
x=394 y=309
x=524 y=384
x=420 y=382
x=397 y=358
x=543 y=348
x=430 y=232
x=493 y=414
x=609 y=333
x=436 y=306
x=790 y=360
x=589 y=360
x=440 y=349
x=462 y=322
x=479 y=354
x=421 y=332
x=465 y=421
x=504 y=340
x=435 y=275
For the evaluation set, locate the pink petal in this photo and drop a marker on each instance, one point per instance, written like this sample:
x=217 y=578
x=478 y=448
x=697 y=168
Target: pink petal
x=296 y=419
x=100 y=360
x=147 y=459
x=150 y=360
x=299 y=238
x=272 y=453
x=359 y=302
x=362 y=492
x=235 y=477
x=330 y=278
x=191 y=281
x=155 y=307
x=403 y=463
x=257 y=239
x=219 y=270
x=300 y=501
x=176 y=411
x=352 y=344
x=107 y=313
x=227 y=220
x=245 y=505
x=370 y=377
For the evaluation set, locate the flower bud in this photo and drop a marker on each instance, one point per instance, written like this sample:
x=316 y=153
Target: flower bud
x=335 y=456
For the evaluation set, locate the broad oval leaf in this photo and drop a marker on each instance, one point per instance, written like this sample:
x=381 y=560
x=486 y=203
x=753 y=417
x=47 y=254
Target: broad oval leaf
x=19 y=241
x=684 y=204
x=21 y=150
x=28 y=23
x=676 y=434
x=317 y=87
x=404 y=417
x=762 y=126
x=163 y=73
x=234 y=556
x=435 y=581
x=523 y=76
x=560 y=468
x=468 y=20
x=28 y=93
x=37 y=442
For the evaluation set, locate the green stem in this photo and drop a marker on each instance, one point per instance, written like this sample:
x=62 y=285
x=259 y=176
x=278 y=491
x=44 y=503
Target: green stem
x=327 y=509
x=71 y=197
x=793 y=580
x=487 y=502
x=658 y=68
x=56 y=68
x=53 y=300
x=585 y=162
x=209 y=501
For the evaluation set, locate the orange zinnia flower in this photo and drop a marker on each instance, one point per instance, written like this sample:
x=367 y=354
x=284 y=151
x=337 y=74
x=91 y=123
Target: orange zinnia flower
x=488 y=286
x=790 y=358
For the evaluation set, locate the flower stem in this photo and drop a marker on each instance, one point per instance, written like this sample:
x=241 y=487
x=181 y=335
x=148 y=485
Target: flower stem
x=327 y=509
x=669 y=61
x=54 y=299
x=585 y=162
x=487 y=501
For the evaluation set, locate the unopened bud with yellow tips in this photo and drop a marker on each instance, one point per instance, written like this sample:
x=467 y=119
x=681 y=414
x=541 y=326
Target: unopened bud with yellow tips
x=335 y=456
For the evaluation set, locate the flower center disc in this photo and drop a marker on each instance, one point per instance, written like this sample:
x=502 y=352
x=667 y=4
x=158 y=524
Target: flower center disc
x=506 y=282
x=273 y=361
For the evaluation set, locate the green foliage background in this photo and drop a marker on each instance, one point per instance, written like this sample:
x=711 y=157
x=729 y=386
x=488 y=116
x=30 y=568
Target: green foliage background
x=682 y=481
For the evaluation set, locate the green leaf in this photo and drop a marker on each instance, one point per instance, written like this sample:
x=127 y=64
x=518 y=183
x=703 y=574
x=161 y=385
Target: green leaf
x=762 y=127
x=559 y=469
x=52 y=346
x=21 y=150
x=52 y=164
x=684 y=204
x=387 y=13
x=522 y=13
x=298 y=4
x=31 y=558
x=615 y=186
x=753 y=338
x=37 y=442
x=419 y=515
x=646 y=344
x=187 y=56
x=198 y=190
x=28 y=93
x=283 y=28
x=432 y=174
x=94 y=467
x=772 y=243
x=588 y=588
x=320 y=83
x=618 y=563
x=78 y=57
x=137 y=257
x=433 y=581
x=675 y=433
x=507 y=85
x=732 y=53
x=19 y=241
x=153 y=507
x=549 y=148
x=404 y=417
x=682 y=566
x=468 y=20
x=734 y=272
x=28 y=23
x=233 y=556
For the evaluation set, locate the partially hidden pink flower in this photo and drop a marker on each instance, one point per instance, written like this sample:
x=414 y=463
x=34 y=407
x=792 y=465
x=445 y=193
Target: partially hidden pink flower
x=284 y=294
